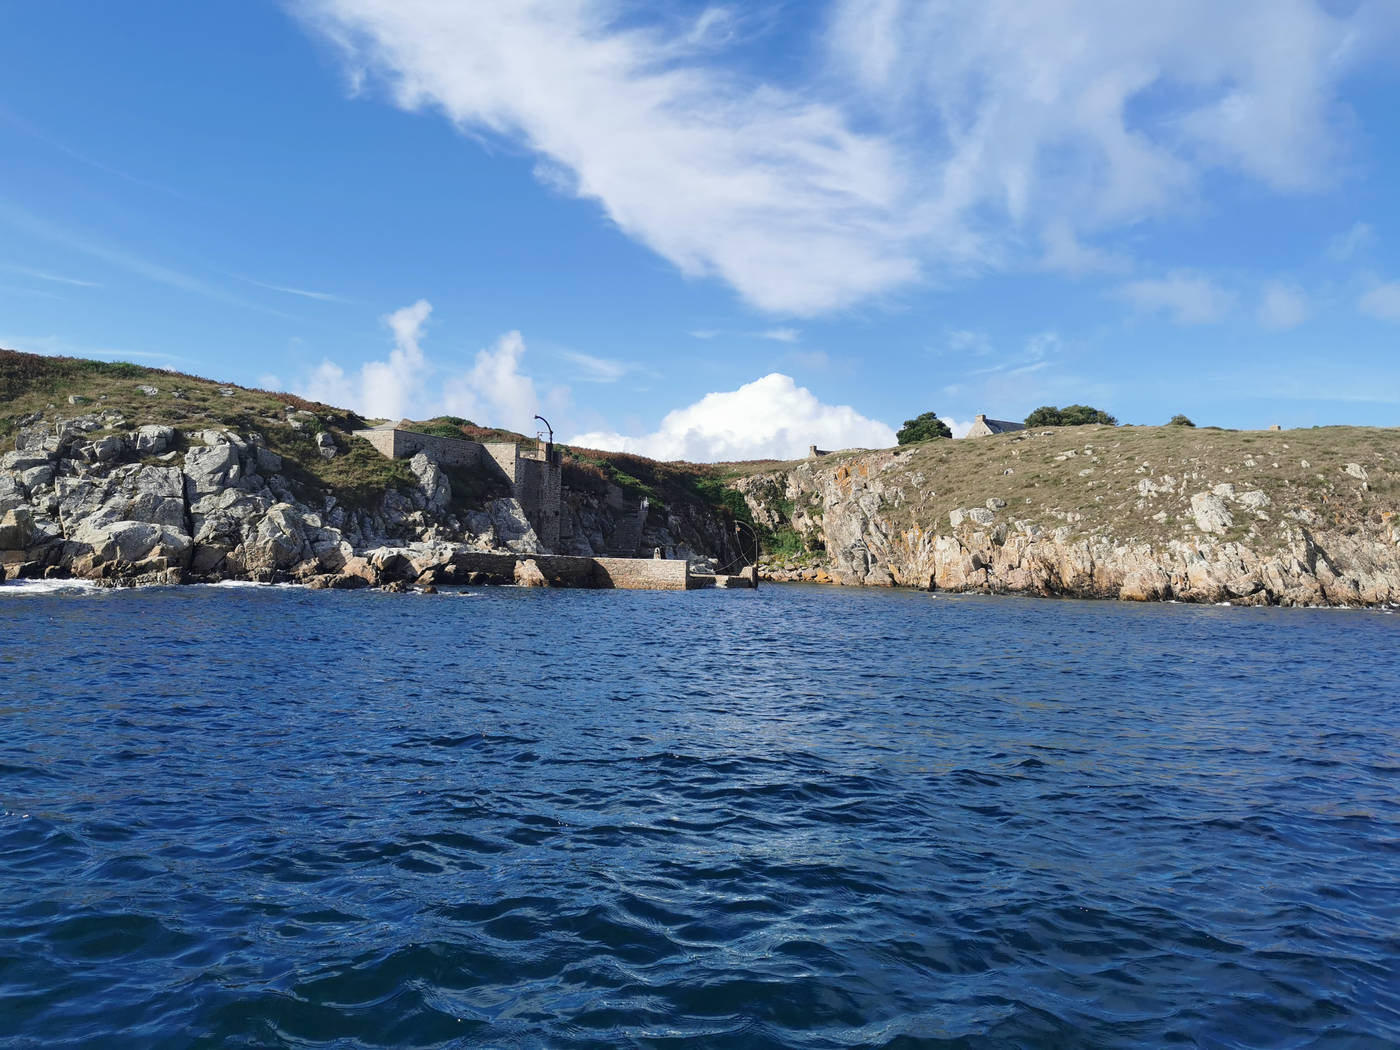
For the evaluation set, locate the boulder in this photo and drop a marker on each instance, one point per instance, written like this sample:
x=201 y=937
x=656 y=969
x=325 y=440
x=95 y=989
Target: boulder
x=209 y=468
x=16 y=529
x=127 y=545
x=528 y=574
x=267 y=461
x=437 y=489
x=325 y=444
x=279 y=541
x=154 y=440
x=1210 y=512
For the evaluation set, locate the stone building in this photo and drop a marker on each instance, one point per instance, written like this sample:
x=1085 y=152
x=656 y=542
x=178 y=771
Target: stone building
x=982 y=426
x=533 y=471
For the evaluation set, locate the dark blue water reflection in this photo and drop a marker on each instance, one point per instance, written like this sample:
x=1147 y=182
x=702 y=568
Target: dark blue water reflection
x=802 y=817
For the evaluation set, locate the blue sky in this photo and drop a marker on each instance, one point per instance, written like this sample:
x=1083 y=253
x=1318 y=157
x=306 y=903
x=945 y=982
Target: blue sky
x=717 y=231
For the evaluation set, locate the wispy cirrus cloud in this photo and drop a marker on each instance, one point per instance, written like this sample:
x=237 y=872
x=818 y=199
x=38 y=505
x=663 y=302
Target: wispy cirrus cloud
x=939 y=138
x=121 y=258
x=597 y=369
x=44 y=275
x=322 y=297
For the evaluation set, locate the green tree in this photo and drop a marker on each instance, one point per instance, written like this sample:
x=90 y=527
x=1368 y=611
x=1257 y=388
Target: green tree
x=1179 y=421
x=1045 y=416
x=1069 y=416
x=923 y=427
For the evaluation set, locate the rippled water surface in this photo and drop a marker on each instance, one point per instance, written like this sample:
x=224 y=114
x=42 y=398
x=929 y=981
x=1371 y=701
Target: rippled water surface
x=801 y=817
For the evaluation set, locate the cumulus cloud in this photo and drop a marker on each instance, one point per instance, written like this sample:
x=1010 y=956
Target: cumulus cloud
x=381 y=389
x=495 y=388
x=1383 y=301
x=1282 y=306
x=771 y=417
x=940 y=138
x=493 y=391
x=1189 y=298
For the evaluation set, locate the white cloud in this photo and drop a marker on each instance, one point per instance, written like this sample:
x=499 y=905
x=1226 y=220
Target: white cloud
x=322 y=297
x=1066 y=253
x=1345 y=245
x=767 y=189
x=1188 y=297
x=771 y=417
x=1383 y=301
x=44 y=275
x=1282 y=306
x=596 y=369
x=959 y=429
x=495 y=389
x=940 y=138
x=492 y=392
x=781 y=335
x=968 y=341
x=389 y=389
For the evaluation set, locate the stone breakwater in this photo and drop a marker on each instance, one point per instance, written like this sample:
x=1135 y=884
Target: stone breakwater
x=92 y=498
x=1202 y=523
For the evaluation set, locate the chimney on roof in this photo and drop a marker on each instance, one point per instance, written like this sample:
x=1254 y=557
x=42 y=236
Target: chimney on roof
x=981 y=417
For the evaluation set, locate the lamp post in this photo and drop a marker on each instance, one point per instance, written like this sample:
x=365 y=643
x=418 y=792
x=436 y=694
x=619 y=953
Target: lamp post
x=754 y=533
x=549 y=450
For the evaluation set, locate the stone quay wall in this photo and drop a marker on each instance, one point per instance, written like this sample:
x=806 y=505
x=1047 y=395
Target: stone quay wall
x=564 y=570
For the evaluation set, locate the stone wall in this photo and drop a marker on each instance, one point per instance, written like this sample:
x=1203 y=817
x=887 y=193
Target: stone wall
x=643 y=574
x=535 y=478
x=401 y=444
x=506 y=456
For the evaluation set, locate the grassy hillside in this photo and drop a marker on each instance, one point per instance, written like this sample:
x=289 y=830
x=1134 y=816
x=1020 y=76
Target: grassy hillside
x=1090 y=478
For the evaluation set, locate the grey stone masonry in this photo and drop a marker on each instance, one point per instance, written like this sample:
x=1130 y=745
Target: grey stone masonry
x=534 y=472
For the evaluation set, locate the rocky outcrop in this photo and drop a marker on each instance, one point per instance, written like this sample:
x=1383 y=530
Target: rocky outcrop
x=96 y=498
x=1092 y=524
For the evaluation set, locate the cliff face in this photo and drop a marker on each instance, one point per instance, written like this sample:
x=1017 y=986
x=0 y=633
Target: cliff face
x=149 y=477
x=1288 y=518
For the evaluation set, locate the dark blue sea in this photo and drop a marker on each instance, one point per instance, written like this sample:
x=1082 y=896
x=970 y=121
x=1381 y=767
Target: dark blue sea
x=797 y=817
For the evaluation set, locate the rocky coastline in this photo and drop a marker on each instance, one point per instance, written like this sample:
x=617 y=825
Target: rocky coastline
x=1100 y=513
x=90 y=497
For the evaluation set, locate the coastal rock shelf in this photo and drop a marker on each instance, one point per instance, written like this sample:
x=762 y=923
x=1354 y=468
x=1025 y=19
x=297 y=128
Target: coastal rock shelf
x=1134 y=513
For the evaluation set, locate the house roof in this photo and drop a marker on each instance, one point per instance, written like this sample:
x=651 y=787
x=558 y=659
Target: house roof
x=1000 y=426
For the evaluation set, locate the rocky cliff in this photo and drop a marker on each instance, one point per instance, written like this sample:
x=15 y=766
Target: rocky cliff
x=1299 y=517
x=152 y=477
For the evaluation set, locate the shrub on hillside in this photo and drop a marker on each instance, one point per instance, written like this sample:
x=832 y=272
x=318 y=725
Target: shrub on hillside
x=1069 y=416
x=1179 y=421
x=923 y=427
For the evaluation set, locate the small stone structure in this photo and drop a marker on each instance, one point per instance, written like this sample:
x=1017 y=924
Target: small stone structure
x=625 y=574
x=813 y=452
x=984 y=427
x=534 y=474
